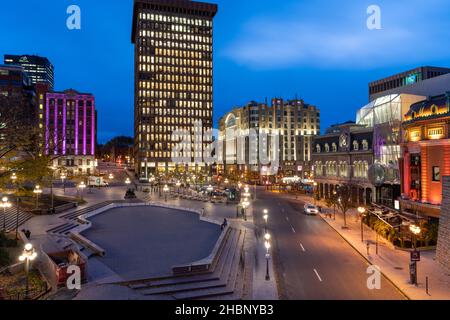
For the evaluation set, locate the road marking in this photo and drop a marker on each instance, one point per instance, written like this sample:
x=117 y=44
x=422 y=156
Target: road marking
x=287 y=218
x=293 y=230
x=303 y=248
x=318 y=276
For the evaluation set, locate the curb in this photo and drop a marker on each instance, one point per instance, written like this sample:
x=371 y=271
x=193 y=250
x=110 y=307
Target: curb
x=365 y=258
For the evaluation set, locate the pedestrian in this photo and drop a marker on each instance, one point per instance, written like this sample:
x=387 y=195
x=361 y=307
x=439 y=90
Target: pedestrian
x=368 y=248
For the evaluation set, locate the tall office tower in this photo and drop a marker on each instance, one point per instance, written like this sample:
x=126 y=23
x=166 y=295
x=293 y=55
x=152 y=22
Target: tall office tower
x=38 y=69
x=173 y=79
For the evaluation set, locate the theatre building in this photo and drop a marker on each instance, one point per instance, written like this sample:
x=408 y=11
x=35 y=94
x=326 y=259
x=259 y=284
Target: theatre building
x=426 y=155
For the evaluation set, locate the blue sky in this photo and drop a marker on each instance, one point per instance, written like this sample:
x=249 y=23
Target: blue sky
x=320 y=50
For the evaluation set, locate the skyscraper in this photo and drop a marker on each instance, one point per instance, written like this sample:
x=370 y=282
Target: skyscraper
x=38 y=69
x=173 y=78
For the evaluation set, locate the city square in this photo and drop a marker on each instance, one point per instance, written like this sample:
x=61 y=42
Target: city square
x=186 y=159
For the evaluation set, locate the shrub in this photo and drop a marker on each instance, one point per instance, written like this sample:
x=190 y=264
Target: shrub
x=4 y=258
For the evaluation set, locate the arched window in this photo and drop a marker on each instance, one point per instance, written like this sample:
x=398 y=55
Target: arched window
x=365 y=169
x=355 y=145
x=334 y=147
x=365 y=145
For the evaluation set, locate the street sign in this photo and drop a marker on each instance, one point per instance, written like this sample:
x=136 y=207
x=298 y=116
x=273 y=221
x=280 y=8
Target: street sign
x=415 y=256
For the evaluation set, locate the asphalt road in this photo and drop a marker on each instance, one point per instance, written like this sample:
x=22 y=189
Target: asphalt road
x=312 y=261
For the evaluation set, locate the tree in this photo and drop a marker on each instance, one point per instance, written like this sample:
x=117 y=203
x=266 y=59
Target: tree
x=344 y=199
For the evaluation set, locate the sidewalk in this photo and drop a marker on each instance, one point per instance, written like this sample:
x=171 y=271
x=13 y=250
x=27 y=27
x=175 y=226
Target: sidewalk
x=394 y=263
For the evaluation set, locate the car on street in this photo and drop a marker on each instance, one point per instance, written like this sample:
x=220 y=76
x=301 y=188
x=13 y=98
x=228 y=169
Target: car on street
x=310 y=209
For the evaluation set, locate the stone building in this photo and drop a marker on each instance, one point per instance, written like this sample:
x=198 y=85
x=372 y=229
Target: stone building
x=343 y=155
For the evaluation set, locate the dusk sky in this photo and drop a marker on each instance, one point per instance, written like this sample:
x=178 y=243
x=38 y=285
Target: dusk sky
x=321 y=51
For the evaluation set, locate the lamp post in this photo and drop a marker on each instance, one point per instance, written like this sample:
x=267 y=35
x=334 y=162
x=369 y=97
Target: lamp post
x=63 y=178
x=5 y=204
x=37 y=190
x=178 y=184
x=13 y=178
x=267 y=246
x=82 y=186
x=334 y=205
x=210 y=190
x=361 y=211
x=111 y=176
x=127 y=182
x=265 y=217
x=28 y=254
x=415 y=230
x=245 y=205
x=314 y=192
x=166 y=190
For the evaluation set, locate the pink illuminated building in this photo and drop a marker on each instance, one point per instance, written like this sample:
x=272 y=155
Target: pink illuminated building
x=69 y=122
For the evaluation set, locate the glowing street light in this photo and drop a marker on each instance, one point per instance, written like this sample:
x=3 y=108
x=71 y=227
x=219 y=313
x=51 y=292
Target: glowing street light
x=111 y=176
x=165 y=190
x=37 y=191
x=362 y=211
x=266 y=218
x=5 y=204
x=415 y=230
x=267 y=246
x=82 y=186
x=28 y=254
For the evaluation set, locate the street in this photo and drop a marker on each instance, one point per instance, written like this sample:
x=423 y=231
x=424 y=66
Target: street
x=312 y=261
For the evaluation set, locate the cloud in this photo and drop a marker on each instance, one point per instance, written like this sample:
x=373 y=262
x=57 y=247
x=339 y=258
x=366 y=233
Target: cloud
x=331 y=39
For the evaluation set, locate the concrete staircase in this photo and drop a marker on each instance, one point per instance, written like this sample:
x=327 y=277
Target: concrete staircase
x=12 y=219
x=71 y=219
x=224 y=280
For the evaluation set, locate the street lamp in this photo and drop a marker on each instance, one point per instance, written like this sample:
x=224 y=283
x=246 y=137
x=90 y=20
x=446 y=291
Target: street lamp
x=245 y=205
x=5 y=204
x=210 y=189
x=28 y=254
x=314 y=193
x=63 y=178
x=267 y=246
x=239 y=185
x=37 y=190
x=166 y=190
x=82 y=186
x=111 y=176
x=415 y=230
x=13 y=178
x=361 y=211
x=265 y=217
x=178 y=184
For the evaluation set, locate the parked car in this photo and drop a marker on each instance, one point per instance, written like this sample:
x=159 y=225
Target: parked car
x=310 y=209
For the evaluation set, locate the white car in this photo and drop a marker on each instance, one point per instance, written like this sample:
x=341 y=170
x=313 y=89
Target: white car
x=310 y=209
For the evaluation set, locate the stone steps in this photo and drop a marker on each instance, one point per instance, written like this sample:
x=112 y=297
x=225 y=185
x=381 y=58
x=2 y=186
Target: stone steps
x=224 y=282
x=75 y=214
x=10 y=218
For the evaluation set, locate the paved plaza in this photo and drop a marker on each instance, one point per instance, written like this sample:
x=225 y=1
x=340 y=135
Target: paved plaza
x=155 y=240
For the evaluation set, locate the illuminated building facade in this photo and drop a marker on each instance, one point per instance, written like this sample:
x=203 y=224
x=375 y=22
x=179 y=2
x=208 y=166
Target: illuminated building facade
x=420 y=81
x=70 y=131
x=38 y=69
x=173 y=41
x=426 y=154
x=343 y=156
x=295 y=123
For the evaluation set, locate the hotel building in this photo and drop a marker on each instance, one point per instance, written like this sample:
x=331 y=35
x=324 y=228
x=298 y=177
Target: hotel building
x=173 y=47
x=295 y=123
x=70 y=131
x=38 y=69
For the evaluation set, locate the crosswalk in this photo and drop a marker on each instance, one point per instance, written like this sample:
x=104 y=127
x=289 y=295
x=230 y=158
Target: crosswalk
x=11 y=217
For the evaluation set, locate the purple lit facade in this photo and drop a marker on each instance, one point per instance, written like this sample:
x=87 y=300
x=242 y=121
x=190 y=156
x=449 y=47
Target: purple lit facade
x=70 y=129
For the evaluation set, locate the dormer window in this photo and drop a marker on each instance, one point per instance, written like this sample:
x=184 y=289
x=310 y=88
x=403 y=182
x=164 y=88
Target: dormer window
x=334 y=147
x=365 y=145
x=355 y=145
x=318 y=149
x=327 y=147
